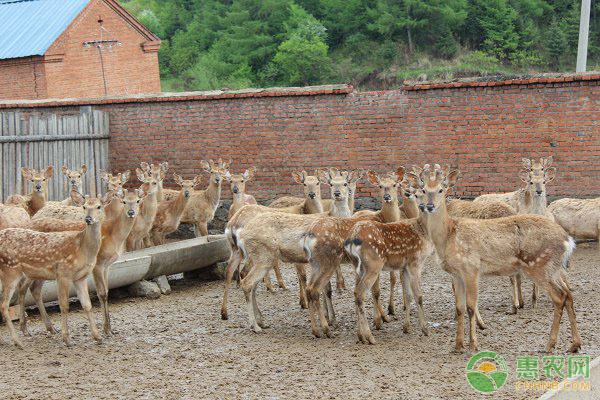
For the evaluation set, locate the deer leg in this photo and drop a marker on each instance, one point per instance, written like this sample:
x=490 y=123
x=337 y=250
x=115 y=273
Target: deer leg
x=519 y=280
x=576 y=341
x=535 y=294
x=378 y=314
x=201 y=229
x=405 y=281
x=459 y=296
x=414 y=273
x=339 y=279
x=366 y=280
x=81 y=287
x=268 y=283
x=102 y=290
x=313 y=293
x=559 y=299
x=36 y=292
x=392 y=303
x=9 y=284
x=234 y=262
x=24 y=286
x=515 y=294
x=301 y=272
x=472 y=291
x=280 y=281
x=327 y=299
x=249 y=284
x=63 y=302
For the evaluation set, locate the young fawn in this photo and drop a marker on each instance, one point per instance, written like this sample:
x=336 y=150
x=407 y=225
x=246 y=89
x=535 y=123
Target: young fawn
x=470 y=248
x=67 y=257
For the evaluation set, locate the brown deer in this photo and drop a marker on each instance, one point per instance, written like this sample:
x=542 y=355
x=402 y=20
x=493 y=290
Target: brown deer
x=74 y=181
x=36 y=200
x=237 y=184
x=67 y=257
x=203 y=204
x=13 y=217
x=158 y=172
x=470 y=248
x=112 y=246
x=143 y=224
x=267 y=237
x=170 y=212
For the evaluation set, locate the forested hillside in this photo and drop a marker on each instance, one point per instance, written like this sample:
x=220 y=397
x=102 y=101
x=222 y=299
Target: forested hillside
x=211 y=44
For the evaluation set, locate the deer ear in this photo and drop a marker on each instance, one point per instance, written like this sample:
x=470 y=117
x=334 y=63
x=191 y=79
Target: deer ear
x=373 y=178
x=83 y=169
x=107 y=198
x=26 y=173
x=400 y=172
x=323 y=176
x=298 y=177
x=140 y=175
x=205 y=165
x=125 y=176
x=197 y=180
x=226 y=164
x=550 y=174
x=49 y=171
x=177 y=179
x=65 y=170
x=145 y=166
x=414 y=180
x=77 y=198
x=524 y=175
x=212 y=164
x=452 y=178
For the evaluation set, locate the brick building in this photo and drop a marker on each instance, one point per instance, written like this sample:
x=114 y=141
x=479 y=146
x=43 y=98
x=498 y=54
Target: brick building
x=74 y=49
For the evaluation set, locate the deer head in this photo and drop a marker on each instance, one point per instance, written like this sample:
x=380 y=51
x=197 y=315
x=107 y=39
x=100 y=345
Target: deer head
x=216 y=171
x=537 y=174
x=132 y=199
x=187 y=186
x=311 y=183
x=357 y=174
x=157 y=171
x=338 y=182
x=75 y=177
x=93 y=206
x=388 y=184
x=39 y=179
x=149 y=179
x=115 y=182
x=238 y=181
x=432 y=186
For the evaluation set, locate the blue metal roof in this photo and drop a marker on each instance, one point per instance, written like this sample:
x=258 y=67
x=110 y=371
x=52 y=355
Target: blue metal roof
x=29 y=27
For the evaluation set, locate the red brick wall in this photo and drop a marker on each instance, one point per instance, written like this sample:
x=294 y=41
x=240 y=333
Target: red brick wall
x=73 y=71
x=483 y=130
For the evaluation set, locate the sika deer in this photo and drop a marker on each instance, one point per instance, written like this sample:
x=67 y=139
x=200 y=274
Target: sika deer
x=238 y=189
x=74 y=180
x=36 y=200
x=469 y=248
x=157 y=172
x=143 y=224
x=579 y=217
x=13 y=217
x=267 y=237
x=67 y=257
x=170 y=212
x=112 y=246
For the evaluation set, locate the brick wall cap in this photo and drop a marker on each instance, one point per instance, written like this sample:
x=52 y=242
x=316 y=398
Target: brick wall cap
x=183 y=96
x=500 y=81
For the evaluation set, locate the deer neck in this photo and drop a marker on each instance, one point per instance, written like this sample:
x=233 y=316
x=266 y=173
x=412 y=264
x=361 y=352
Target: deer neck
x=239 y=200
x=90 y=241
x=340 y=209
x=38 y=200
x=213 y=194
x=438 y=226
x=149 y=207
x=112 y=211
x=410 y=207
x=179 y=204
x=351 y=198
x=390 y=211
x=159 y=192
x=121 y=229
x=313 y=206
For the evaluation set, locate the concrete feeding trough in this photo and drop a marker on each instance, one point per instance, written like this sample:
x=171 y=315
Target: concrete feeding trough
x=167 y=259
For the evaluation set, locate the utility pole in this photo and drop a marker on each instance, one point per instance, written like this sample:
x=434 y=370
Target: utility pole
x=584 y=28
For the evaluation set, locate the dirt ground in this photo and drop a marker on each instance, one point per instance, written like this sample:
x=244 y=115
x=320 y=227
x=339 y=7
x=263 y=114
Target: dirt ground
x=178 y=347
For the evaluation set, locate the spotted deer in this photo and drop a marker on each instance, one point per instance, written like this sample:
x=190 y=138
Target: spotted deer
x=158 y=172
x=143 y=224
x=37 y=199
x=471 y=248
x=528 y=200
x=265 y=238
x=112 y=246
x=13 y=217
x=67 y=257
x=170 y=212
x=203 y=204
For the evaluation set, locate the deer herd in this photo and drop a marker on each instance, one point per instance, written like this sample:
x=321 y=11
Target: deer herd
x=511 y=234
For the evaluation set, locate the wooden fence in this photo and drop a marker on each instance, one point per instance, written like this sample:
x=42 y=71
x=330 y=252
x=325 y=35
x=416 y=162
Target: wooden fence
x=39 y=140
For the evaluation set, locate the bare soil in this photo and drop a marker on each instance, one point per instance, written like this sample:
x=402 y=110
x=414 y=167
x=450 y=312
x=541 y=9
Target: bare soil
x=178 y=347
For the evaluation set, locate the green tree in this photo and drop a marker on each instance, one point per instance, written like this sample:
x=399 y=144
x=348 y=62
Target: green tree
x=557 y=45
x=301 y=61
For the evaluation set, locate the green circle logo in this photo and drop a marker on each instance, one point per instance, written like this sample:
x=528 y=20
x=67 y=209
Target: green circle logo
x=487 y=372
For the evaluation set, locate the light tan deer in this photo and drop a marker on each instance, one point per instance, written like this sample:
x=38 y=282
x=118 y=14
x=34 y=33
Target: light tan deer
x=112 y=246
x=170 y=212
x=74 y=180
x=470 y=248
x=143 y=224
x=73 y=213
x=158 y=172
x=34 y=201
x=67 y=257
x=579 y=217
x=203 y=204
x=237 y=184
x=267 y=237
x=528 y=200
x=311 y=203
x=13 y=217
